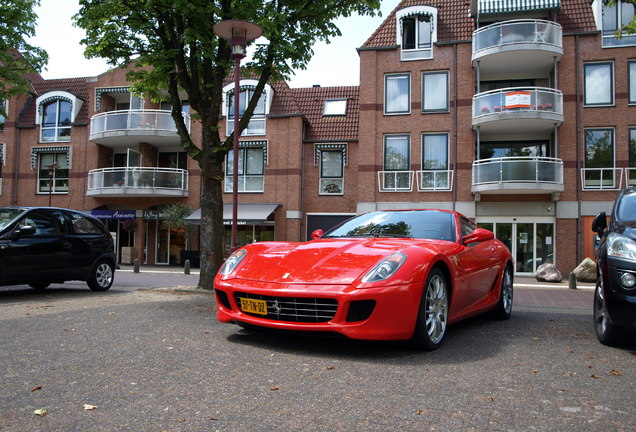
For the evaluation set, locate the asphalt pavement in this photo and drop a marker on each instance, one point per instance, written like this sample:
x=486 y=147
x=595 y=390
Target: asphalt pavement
x=149 y=355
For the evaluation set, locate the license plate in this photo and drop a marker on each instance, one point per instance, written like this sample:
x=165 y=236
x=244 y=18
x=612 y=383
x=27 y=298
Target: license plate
x=253 y=306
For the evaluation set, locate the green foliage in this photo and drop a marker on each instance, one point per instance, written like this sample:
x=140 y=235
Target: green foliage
x=174 y=219
x=17 y=57
x=628 y=28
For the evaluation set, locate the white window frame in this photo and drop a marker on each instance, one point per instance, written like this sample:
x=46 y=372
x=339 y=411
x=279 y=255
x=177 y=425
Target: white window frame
x=325 y=182
x=242 y=177
x=414 y=12
x=335 y=107
x=603 y=183
x=611 y=89
x=248 y=131
x=390 y=176
x=396 y=76
x=438 y=174
x=609 y=39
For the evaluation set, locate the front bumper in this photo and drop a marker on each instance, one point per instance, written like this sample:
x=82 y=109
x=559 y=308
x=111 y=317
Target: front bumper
x=620 y=301
x=382 y=313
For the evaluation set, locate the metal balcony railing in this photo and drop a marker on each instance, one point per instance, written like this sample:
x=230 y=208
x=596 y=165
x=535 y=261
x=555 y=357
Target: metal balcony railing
x=602 y=178
x=395 y=181
x=517 y=32
x=126 y=120
x=138 y=181
x=434 y=180
x=518 y=99
x=524 y=169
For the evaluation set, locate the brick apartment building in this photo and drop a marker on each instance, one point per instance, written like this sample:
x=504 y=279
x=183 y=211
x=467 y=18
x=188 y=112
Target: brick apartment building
x=518 y=113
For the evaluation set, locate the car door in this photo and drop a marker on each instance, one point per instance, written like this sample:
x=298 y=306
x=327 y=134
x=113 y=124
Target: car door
x=43 y=255
x=89 y=242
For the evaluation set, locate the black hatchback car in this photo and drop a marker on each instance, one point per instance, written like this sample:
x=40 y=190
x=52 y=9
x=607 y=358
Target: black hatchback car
x=615 y=299
x=44 y=245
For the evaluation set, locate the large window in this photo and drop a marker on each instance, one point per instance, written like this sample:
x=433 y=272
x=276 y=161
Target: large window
x=53 y=172
x=331 y=172
x=599 y=84
x=615 y=18
x=251 y=165
x=397 y=163
x=435 y=92
x=600 y=172
x=631 y=71
x=417 y=36
x=256 y=125
x=397 y=94
x=56 y=121
x=631 y=171
x=435 y=174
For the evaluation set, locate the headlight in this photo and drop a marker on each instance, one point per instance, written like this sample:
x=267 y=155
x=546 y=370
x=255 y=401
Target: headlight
x=385 y=268
x=232 y=262
x=620 y=246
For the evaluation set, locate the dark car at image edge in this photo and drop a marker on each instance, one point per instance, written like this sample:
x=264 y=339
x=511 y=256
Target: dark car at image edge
x=44 y=245
x=615 y=293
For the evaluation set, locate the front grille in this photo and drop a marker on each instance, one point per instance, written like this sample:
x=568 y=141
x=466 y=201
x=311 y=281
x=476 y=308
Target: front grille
x=293 y=309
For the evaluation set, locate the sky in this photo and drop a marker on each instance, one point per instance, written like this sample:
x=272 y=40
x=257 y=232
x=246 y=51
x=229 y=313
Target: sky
x=335 y=64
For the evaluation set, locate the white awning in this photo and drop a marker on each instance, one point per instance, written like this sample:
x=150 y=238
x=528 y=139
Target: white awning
x=248 y=214
x=503 y=6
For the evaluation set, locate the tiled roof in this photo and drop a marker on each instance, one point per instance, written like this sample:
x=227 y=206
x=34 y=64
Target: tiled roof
x=328 y=128
x=456 y=24
x=75 y=86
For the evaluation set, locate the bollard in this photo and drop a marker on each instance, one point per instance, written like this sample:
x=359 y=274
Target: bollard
x=186 y=267
x=572 y=281
x=136 y=265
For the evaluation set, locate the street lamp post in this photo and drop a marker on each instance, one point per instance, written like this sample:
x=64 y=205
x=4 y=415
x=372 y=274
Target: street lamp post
x=238 y=33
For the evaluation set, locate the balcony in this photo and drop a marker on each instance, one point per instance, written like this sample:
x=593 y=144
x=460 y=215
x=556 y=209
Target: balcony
x=518 y=175
x=517 y=110
x=509 y=47
x=434 y=180
x=120 y=129
x=395 y=181
x=138 y=182
x=604 y=178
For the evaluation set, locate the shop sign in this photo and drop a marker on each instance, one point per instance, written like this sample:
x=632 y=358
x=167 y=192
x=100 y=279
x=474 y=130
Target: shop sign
x=114 y=214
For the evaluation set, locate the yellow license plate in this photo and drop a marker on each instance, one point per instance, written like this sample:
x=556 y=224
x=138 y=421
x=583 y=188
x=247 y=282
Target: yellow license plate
x=253 y=306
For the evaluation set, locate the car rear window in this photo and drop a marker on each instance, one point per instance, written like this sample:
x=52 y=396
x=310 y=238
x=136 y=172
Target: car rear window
x=83 y=225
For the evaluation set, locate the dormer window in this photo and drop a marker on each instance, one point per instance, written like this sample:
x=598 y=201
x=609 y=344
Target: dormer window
x=335 y=107
x=256 y=125
x=615 y=18
x=56 y=113
x=416 y=32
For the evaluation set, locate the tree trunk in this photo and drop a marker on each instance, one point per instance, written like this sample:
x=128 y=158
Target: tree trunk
x=212 y=228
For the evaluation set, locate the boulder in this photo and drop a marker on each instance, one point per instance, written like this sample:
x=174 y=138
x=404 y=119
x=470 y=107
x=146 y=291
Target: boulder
x=548 y=273
x=586 y=271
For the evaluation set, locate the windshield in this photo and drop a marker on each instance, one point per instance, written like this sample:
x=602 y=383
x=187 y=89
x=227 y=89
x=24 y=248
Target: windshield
x=423 y=224
x=7 y=215
x=627 y=207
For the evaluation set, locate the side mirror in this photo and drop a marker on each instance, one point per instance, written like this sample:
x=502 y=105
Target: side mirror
x=22 y=231
x=478 y=236
x=317 y=234
x=599 y=224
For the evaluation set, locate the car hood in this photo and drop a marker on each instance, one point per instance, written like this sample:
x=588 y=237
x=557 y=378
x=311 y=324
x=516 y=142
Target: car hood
x=325 y=261
x=627 y=229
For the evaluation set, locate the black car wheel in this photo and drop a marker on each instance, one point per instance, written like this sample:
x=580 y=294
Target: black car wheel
x=606 y=332
x=102 y=276
x=504 y=306
x=430 y=327
x=39 y=285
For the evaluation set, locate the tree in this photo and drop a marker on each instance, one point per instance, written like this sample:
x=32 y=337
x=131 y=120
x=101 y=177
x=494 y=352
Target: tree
x=173 y=48
x=18 y=58
x=174 y=219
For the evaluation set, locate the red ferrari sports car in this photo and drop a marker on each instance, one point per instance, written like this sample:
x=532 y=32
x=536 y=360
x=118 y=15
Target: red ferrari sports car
x=384 y=275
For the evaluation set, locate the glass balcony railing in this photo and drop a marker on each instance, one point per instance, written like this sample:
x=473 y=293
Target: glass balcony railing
x=127 y=120
x=518 y=99
x=524 y=169
x=517 y=32
x=138 y=181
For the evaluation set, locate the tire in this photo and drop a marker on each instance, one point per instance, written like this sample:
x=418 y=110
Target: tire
x=432 y=317
x=102 y=276
x=39 y=286
x=606 y=332
x=504 y=306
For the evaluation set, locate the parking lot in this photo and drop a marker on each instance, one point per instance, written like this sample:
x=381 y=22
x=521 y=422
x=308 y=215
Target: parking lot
x=145 y=356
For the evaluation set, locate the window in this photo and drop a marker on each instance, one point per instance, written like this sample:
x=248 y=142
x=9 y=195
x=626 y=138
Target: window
x=335 y=107
x=256 y=125
x=631 y=72
x=397 y=162
x=3 y=113
x=599 y=159
x=599 y=84
x=615 y=18
x=435 y=174
x=56 y=121
x=46 y=222
x=82 y=225
x=434 y=91
x=631 y=171
x=251 y=164
x=53 y=172
x=331 y=172
x=416 y=33
x=397 y=94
